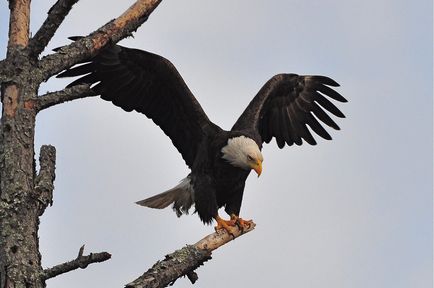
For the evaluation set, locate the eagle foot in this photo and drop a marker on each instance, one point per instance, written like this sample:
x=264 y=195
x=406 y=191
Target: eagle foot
x=241 y=223
x=228 y=225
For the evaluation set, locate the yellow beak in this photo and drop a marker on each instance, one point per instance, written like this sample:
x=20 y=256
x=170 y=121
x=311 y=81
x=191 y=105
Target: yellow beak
x=257 y=167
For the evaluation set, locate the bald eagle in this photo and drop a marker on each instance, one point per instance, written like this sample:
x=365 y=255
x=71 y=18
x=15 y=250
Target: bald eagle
x=219 y=160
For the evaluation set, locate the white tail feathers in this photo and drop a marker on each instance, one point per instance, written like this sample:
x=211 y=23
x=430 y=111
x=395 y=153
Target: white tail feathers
x=181 y=196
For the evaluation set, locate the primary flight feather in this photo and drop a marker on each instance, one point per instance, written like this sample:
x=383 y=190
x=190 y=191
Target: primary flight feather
x=288 y=107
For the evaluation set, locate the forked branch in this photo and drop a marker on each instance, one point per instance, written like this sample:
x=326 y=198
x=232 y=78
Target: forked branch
x=56 y=15
x=79 y=262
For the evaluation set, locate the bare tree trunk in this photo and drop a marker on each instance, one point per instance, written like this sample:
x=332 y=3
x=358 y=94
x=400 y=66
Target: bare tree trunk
x=20 y=261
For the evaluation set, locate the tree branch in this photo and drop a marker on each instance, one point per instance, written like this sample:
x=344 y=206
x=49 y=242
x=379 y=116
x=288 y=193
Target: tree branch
x=67 y=94
x=88 y=46
x=56 y=15
x=183 y=262
x=44 y=182
x=79 y=262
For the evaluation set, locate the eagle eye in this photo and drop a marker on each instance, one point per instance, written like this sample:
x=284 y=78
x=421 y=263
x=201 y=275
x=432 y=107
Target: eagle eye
x=250 y=158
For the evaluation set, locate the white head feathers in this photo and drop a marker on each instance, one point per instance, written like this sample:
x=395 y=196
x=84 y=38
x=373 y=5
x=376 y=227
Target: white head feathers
x=241 y=152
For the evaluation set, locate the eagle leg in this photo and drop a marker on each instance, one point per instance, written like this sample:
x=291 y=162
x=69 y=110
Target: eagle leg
x=227 y=225
x=241 y=223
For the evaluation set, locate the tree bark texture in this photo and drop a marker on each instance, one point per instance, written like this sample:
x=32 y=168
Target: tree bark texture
x=24 y=193
x=20 y=261
x=19 y=23
x=180 y=263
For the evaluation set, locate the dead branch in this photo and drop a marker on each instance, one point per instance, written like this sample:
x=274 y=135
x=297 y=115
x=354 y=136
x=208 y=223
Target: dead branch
x=183 y=262
x=44 y=185
x=67 y=94
x=56 y=15
x=86 y=47
x=79 y=262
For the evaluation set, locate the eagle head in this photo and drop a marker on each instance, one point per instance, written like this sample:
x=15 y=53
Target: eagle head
x=244 y=153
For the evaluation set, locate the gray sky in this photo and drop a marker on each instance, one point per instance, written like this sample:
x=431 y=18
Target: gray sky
x=352 y=212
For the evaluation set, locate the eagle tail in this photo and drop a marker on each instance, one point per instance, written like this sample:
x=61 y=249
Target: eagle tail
x=181 y=196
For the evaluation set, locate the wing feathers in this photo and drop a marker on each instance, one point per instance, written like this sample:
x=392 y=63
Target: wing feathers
x=301 y=128
x=329 y=106
x=138 y=80
x=288 y=106
x=324 y=117
x=324 y=79
x=317 y=128
x=286 y=127
x=295 y=126
x=276 y=122
x=330 y=92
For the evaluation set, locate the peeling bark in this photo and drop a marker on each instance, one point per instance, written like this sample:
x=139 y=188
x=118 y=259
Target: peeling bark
x=10 y=100
x=19 y=23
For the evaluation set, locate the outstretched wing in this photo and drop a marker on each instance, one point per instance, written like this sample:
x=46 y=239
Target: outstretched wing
x=147 y=83
x=286 y=104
